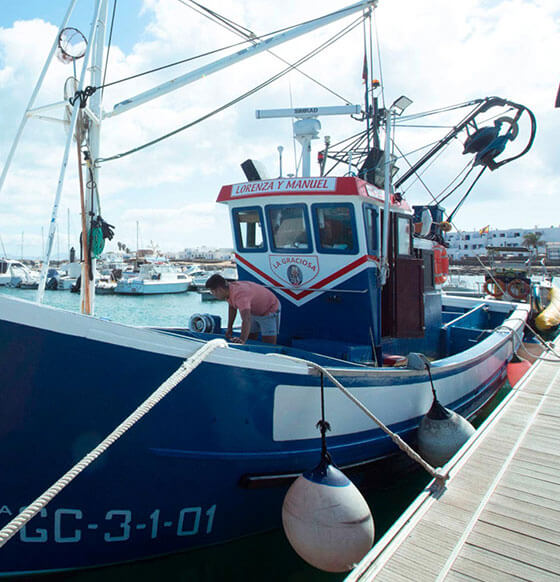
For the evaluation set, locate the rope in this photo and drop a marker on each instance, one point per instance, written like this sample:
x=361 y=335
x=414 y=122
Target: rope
x=109 y=45
x=252 y=39
x=546 y=345
x=250 y=36
x=9 y=530
x=437 y=474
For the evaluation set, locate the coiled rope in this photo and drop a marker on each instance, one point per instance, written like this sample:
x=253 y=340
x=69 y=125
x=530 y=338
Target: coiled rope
x=439 y=475
x=9 y=530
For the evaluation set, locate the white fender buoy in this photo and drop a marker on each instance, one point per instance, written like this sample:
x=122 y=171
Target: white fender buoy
x=326 y=519
x=442 y=433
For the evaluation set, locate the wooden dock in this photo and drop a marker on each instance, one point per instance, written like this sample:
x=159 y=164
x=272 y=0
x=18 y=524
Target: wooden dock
x=499 y=515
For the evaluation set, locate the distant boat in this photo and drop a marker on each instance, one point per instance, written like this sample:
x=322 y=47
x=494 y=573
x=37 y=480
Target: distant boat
x=105 y=285
x=16 y=274
x=155 y=278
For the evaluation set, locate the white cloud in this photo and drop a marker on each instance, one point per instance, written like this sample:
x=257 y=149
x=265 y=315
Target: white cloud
x=437 y=53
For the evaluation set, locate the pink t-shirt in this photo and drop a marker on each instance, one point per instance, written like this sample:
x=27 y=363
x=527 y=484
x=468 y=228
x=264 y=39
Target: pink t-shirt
x=247 y=295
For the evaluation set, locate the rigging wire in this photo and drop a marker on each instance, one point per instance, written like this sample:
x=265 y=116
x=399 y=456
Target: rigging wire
x=218 y=18
x=418 y=176
x=459 y=184
x=250 y=36
x=467 y=193
x=445 y=109
x=424 y=147
x=378 y=48
x=109 y=44
x=270 y=80
x=234 y=45
x=424 y=170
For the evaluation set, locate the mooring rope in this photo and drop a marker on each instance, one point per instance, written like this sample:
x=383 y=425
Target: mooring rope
x=553 y=356
x=436 y=473
x=164 y=389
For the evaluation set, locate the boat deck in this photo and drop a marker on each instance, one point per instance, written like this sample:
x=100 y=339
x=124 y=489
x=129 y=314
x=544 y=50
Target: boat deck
x=499 y=516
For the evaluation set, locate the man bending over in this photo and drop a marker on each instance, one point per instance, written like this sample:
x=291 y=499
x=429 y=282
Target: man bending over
x=259 y=308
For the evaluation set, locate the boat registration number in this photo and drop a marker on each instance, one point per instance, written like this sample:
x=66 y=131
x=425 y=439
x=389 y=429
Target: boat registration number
x=66 y=525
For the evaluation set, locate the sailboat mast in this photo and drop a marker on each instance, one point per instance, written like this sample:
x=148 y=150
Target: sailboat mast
x=87 y=291
x=62 y=174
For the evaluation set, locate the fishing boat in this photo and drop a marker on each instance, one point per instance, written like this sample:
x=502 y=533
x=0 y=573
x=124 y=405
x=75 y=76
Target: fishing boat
x=358 y=272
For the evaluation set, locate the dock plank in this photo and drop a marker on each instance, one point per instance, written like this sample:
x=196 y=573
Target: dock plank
x=528 y=512
x=501 y=565
x=521 y=526
x=527 y=494
x=505 y=542
x=481 y=573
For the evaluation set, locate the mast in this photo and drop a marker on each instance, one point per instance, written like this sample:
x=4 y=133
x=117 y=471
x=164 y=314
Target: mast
x=87 y=291
x=62 y=174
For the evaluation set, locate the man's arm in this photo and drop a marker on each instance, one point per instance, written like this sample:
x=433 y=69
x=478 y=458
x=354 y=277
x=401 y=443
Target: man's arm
x=232 y=313
x=245 y=326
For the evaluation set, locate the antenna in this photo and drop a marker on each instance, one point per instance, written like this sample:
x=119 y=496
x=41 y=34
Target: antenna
x=280 y=150
x=307 y=126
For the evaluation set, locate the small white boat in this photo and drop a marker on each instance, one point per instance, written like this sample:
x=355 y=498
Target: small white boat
x=155 y=278
x=16 y=274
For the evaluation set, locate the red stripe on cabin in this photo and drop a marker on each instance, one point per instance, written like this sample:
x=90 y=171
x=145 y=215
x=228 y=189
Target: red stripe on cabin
x=316 y=287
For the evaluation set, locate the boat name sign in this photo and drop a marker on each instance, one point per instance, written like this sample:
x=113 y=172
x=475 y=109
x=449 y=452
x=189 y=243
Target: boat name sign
x=284 y=185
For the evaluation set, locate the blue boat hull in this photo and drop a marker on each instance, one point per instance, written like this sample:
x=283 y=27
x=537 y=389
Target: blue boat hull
x=187 y=474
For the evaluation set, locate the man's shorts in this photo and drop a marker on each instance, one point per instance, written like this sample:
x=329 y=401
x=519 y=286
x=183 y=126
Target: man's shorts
x=266 y=324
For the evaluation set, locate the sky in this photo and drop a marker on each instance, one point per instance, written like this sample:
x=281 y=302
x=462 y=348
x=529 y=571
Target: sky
x=438 y=53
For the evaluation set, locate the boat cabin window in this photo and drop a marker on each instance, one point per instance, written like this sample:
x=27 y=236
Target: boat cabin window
x=404 y=240
x=248 y=228
x=335 y=229
x=372 y=231
x=289 y=227
x=3 y=267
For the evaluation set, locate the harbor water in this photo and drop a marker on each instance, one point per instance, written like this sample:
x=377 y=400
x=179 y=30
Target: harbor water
x=261 y=557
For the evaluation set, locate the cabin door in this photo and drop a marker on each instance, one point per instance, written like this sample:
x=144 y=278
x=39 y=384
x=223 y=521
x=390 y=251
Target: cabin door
x=403 y=298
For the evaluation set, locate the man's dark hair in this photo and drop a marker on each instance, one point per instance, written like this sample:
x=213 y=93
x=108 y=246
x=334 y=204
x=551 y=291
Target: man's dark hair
x=216 y=281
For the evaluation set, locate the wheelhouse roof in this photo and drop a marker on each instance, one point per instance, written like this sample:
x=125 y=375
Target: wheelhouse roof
x=312 y=186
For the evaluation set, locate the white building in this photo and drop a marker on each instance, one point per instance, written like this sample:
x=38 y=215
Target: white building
x=471 y=243
x=553 y=251
x=205 y=254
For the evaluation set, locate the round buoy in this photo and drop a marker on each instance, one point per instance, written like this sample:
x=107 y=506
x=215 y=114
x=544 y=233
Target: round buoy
x=442 y=433
x=326 y=519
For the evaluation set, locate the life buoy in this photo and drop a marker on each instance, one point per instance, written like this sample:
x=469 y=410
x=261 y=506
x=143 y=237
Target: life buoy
x=494 y=288
x=518 y=289
x=441 y=265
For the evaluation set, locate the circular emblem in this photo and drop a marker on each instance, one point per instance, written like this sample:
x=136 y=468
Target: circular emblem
x=295 y=276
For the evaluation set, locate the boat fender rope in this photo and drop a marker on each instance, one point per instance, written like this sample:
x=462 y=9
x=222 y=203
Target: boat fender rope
x=324 y=426
x=418 y=361
x=437 y=473
x=9 y=530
